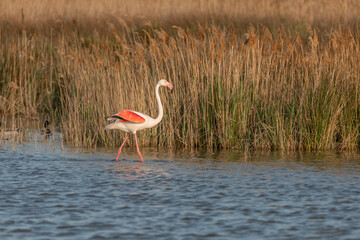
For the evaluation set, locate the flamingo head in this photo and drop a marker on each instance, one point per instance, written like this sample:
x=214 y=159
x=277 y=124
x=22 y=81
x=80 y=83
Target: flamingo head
x=165 y=83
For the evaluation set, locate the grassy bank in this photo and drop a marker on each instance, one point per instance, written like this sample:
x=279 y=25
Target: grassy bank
x=281 y=84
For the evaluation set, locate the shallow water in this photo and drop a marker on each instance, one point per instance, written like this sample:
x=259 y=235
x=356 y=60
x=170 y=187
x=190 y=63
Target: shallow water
x=51 y=192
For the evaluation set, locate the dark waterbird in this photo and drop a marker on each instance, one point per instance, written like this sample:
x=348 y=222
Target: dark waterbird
x=46 y=131
x=7 y=133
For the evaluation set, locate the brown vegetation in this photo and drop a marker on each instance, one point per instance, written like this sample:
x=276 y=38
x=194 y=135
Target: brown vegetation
x=263 y=86
x=320 y=12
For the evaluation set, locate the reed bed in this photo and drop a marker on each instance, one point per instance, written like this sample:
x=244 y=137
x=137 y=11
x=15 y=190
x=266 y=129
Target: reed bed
x=255 y=87
x=181 y=12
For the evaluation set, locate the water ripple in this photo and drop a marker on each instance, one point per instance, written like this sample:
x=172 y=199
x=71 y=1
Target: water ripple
x=87 y=196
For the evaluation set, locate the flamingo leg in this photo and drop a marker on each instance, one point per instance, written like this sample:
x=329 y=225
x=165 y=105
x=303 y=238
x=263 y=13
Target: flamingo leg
x=137 y=147
x=127 y=135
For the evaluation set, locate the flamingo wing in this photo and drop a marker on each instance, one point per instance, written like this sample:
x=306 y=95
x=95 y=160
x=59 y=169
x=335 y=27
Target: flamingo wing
x=128 y=116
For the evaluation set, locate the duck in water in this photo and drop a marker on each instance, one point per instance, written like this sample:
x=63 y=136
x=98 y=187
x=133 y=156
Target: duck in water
x=8 y=133
x=46 y=131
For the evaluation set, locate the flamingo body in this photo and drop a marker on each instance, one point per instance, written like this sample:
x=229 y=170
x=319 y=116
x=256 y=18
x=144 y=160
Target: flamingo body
x=131 y=121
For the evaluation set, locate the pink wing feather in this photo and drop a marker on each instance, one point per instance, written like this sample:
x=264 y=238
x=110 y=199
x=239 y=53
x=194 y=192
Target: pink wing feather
x=128 y=115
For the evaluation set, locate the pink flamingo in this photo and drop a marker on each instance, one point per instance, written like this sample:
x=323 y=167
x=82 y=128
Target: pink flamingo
x=130 y=121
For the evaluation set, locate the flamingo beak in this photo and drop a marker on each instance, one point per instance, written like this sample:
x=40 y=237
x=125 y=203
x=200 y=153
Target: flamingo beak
x=170 y=86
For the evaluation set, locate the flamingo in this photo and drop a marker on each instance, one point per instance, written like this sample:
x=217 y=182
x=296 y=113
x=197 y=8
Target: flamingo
x=130 y=121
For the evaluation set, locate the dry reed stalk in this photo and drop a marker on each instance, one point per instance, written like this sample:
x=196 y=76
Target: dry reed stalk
x=272 y=89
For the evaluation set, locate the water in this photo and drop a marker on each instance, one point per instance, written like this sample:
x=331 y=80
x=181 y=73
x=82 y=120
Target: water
x=47 y=192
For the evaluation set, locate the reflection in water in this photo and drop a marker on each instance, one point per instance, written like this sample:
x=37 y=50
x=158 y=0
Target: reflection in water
x=48 y=190
x=128 y=171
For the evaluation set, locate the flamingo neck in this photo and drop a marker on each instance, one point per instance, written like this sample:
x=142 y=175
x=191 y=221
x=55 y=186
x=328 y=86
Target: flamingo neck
x=161 y=110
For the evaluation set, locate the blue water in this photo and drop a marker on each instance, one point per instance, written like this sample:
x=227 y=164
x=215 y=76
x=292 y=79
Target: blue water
x=47 y=192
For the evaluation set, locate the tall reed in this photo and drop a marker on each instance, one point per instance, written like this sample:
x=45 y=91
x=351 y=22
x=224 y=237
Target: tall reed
x=257 y=87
